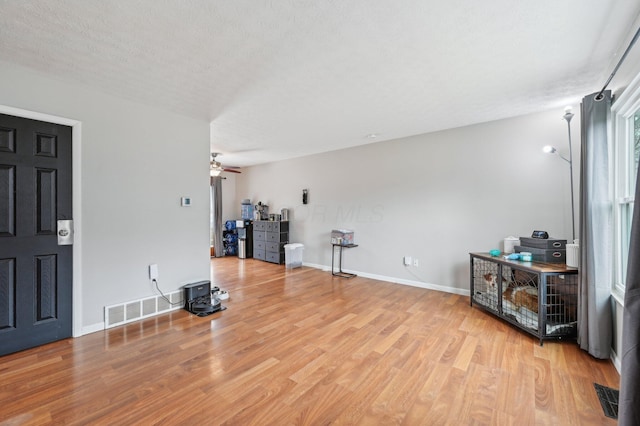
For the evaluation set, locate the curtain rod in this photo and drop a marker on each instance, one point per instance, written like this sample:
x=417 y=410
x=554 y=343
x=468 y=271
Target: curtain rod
x=599 y=96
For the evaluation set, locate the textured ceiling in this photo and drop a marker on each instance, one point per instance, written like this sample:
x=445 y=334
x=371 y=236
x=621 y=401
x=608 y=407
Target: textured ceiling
x=285 y=78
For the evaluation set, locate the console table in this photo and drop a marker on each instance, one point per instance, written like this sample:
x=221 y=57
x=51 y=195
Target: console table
x=340 y=272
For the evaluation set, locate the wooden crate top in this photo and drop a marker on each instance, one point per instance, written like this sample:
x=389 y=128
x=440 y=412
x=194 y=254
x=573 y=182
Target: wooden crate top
x=537 y=267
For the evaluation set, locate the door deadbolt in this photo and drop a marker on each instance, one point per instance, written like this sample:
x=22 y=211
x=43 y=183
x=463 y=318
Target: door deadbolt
x=65 y=232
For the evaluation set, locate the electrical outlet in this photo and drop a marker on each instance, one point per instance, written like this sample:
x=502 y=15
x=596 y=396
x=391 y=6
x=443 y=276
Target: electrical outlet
x=153 y=272
x=407 y=260
x=415 y=262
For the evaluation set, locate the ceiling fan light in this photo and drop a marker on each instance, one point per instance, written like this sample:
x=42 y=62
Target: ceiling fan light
x=215 y=167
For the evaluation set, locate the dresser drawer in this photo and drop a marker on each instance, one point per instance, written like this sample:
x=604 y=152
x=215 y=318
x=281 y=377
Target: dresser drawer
x=276 y=247
x=259 y=236
x=260 y=245
x=277 y=237
x=274 y=257
x=277 y=226
x=259 y=254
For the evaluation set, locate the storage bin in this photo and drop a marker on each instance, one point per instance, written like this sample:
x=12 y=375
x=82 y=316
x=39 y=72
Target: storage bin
x=293 y=255
x=544 y=255
x=548 y=243
x=343 y=237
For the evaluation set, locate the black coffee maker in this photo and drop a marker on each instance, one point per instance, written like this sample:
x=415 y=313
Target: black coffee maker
x=198 y=299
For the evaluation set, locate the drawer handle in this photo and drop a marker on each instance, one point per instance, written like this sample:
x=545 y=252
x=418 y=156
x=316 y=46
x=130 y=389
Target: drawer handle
x=557 y=254
x=557 y=244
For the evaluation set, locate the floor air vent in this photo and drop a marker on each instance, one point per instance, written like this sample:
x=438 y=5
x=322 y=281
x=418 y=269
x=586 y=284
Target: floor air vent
x=135 y=310
x=608 y=399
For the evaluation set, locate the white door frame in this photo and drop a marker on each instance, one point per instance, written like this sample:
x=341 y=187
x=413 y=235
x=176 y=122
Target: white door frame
x=76 y=170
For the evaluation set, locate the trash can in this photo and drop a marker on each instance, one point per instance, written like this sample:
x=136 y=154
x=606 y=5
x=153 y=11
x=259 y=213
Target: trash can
x=293 y=255
x=242 y=249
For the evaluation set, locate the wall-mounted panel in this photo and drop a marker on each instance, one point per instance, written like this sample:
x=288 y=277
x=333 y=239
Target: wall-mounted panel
x=46 y=284
x=7 y=201
x=46 y=207
x=7 y=294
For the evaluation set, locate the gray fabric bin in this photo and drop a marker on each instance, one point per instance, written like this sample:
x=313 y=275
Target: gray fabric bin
x=544 y=255
x=549 y=243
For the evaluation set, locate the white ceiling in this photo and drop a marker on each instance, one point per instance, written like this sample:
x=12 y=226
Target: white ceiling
x=286 y=78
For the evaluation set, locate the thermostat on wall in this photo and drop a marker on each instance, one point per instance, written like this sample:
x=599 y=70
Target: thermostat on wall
x=185 y=201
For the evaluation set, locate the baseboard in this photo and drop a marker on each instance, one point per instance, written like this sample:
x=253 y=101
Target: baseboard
x=615 y=359
x=317 y=266
x=412 y=283
x=92 y=328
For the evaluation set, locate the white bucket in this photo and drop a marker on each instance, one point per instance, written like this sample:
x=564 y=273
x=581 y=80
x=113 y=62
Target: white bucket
x=573 y=255
x=510 y=243
x=293 y=255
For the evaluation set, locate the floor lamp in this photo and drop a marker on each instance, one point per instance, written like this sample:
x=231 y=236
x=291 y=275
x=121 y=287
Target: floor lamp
x=568 y=115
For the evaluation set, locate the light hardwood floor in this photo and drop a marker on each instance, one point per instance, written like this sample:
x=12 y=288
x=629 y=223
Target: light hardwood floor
x=302 y=347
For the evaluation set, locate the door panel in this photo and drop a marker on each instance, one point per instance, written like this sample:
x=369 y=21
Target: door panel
x=7 y=294
x=8 y=198
x=46 y=280
x=7 y=139
x=46 y=184
x=35 y=272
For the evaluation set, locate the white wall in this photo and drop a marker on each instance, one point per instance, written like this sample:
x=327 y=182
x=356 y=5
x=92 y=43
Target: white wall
x=137 y=161
x=230 y=201
x=435 y=197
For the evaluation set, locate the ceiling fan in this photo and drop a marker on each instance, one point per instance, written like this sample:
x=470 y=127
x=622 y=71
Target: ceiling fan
x=215 y=168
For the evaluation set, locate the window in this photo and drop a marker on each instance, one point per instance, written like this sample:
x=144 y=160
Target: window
x=626 y=143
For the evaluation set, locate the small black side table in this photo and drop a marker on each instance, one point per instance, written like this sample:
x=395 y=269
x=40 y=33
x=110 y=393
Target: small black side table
x=340 y=272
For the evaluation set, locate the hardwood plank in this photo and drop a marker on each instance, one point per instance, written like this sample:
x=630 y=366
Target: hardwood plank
x=481 y=394
x=544 y=397
x=465 y=354
x=302 y=347
x=563 y=393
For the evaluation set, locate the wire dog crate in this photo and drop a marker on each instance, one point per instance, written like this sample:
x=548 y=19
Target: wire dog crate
x=540 y=298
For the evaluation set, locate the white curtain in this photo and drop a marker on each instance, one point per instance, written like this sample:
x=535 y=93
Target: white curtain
x=594 y=288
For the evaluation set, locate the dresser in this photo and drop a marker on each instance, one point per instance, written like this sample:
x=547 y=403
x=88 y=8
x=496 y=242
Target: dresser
x=269 y=238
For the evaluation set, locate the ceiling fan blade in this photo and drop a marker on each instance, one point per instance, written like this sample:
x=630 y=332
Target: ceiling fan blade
x=216 y=165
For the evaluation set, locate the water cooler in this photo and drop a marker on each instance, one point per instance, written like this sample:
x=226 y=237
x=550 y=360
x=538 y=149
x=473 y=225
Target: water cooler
x=245 y=238
x=245 y=234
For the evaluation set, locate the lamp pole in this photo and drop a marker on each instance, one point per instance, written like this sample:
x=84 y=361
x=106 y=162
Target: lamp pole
x=568 y=115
